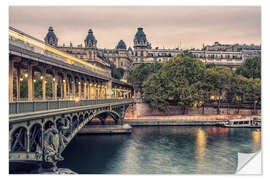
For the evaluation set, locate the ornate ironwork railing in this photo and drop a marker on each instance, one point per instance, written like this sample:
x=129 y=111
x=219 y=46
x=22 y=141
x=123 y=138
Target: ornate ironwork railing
x=34 y=106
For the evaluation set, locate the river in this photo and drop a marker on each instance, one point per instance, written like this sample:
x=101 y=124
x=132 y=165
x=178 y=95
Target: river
x=162 y=150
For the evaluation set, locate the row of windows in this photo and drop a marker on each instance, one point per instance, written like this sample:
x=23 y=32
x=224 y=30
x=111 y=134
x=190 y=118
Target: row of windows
x=218 y=56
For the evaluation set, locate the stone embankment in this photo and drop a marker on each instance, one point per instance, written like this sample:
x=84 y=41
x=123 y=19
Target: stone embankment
x=198 y=120
x=106 y=129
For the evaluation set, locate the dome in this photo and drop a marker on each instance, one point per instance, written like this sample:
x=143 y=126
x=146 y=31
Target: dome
x=140 y=36
x=51 y=38
x=90 y=36
x=90 y=40
x=129 y=49
x=121 y=45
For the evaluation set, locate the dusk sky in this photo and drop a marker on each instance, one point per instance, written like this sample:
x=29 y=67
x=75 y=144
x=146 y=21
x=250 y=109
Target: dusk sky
x=165 y=26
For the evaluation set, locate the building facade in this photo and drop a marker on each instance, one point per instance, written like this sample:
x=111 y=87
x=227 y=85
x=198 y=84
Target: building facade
x=231 y=55
x=103 y=58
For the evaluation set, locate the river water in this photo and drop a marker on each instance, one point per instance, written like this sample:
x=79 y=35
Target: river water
x=162 y=150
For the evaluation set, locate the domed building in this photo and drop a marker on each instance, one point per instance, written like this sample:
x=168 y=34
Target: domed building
x=121 y=45
x=120 y=57
x=88 y=53
x=90 y=40
x=51 y=38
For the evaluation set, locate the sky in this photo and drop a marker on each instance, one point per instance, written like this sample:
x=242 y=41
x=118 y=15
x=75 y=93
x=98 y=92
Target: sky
x=164 y=26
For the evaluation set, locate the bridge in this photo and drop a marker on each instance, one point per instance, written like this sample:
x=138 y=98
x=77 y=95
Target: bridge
x=52 y=95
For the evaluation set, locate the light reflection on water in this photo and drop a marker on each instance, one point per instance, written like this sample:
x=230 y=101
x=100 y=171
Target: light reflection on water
x=162 y=150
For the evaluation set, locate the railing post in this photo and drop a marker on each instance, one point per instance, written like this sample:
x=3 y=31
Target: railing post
x=17 y=108
x=34 y=106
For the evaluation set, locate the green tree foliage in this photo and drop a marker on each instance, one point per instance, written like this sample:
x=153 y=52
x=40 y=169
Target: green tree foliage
x=156 y=92
x=115 y=72
x=251 y=68
x=140 y=74
x=210 y=65
x=188 y=82
x=219 y=78
x=176 y=82
x=121 y=71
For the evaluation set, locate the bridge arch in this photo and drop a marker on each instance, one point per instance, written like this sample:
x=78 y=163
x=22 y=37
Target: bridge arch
x=19 y=140
x=78 y=127
x=48 y=124
x=35 y=143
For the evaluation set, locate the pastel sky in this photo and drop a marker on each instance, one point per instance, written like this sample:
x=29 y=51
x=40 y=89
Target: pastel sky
x=165 y=26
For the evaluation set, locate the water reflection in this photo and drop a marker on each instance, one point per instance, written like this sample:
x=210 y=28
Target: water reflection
x=200 y=147
x=256 y=137
x=164 y=150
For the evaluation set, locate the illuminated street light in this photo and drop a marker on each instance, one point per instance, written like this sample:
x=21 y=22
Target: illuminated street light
x=77 y=99
x=26 y=75
x=41 y=77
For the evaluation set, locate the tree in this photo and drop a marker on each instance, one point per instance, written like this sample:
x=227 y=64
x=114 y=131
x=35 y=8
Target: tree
x=251 y=68
x=175 y=82
x=115 y=73
x=156 y=91
x=140 y=74
x=121 y=71
x=255 y=92
x=239 y=90
x=184 y=72
x=220 y=79
x=210 y=65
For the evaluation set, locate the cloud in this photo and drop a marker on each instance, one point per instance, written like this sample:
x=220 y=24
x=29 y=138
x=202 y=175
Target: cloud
x=163 y=25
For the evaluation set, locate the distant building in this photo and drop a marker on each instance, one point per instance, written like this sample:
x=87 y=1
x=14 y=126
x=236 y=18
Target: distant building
x=143 y=52
x=88 y=53
x=120 y=57
x=231 y=55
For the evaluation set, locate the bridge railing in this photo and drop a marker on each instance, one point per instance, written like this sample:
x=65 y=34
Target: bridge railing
x=34 y=106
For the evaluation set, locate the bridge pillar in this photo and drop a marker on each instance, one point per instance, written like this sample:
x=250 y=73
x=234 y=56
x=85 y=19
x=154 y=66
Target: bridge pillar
x=54 y=88
x=43 y=85
x=100 y=91
x=11 y=67
x=79 y=89
x=18 y=83
x=30 y=82
x=73 y=88
x=96 y=90
x=109 y=89
x=85 y=90
x=92 y=90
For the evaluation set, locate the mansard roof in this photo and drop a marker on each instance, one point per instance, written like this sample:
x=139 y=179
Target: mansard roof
x=90 y=36
x=121 y=45
x=140 y=35
x=50 y=34
x=130 y=49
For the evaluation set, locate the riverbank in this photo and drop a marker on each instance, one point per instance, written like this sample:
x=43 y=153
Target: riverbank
x=178 y=120
x=106 y=129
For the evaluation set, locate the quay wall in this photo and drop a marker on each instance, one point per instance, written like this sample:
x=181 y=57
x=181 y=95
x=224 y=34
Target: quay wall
x=143 y=109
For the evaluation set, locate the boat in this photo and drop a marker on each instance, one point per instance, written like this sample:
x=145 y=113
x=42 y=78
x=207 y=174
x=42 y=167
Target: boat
x=250 y=122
